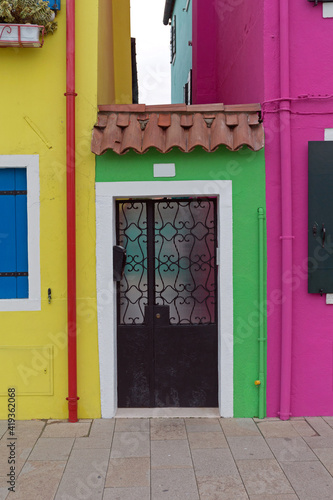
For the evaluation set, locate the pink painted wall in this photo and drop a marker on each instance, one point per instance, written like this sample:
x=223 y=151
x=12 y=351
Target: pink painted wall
x=242 y=67
x=311 y=73
x=228 y=48
x=204 y=53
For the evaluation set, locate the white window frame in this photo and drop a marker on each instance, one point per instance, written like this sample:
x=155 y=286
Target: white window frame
x=31 y=164
x=106 y=195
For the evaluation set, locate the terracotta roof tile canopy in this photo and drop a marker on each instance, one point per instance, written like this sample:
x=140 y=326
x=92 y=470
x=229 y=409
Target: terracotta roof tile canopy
x=140 y=127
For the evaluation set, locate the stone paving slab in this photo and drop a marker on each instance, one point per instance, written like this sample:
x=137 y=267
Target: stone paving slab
x=171 y=459
x=52 y=449
x=62 y=429
x=39 y=480
x=274 y=497
x=132 y=425
x=101 y=427
x=215 y=463
x=277 y=428
x=130 y=444
x=126 y=494
x=249 y=447
x=303 y=428
x=221 y=489
x=202 y=425
x=310 y=480
x=84 y=476
x=291 y=449
x=320 y=426
x=202 y=440
x=128 y=472
x=329 y=421
x=93 y=442
x=263 y=477
x=325 y=455
x=236 y=427
x=170 y=454
x=165 y=429
x=319 y=442
x=3 y=427
x=173 y=484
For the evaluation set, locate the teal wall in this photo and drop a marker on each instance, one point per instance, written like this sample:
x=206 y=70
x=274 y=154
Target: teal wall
x=183 y=60
x=246 y=170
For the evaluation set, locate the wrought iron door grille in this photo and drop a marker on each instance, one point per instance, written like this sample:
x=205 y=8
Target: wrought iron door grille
x=182 y=246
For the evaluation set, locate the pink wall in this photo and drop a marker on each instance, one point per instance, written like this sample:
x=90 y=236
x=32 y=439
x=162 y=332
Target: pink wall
x=204 y=52
x=242 y=67
x=228 y=48
x=311 y=73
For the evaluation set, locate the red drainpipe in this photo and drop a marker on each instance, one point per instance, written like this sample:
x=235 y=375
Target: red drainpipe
x=71 y=232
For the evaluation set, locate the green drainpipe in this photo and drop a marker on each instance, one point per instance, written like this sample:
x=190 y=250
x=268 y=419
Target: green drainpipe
x=262 y=339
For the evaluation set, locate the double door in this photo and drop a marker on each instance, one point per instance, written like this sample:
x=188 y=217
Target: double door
x=167 y=303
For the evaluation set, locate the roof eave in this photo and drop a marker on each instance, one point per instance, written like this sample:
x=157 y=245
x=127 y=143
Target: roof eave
x=168 y=9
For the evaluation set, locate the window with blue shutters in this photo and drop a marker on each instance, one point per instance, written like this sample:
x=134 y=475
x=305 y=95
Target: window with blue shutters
x=13 y=234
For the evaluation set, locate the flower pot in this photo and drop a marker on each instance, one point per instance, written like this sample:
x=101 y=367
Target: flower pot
x=21 y=35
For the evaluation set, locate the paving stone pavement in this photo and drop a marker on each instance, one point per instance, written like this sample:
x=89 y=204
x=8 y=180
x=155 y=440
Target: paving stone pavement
x=169 y=459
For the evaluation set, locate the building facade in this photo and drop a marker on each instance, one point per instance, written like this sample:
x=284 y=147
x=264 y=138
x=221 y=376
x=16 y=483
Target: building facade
x=258 y=52
x=172 y=188
x=33 y=303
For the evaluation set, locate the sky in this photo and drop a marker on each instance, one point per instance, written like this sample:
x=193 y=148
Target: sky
x=153 y=51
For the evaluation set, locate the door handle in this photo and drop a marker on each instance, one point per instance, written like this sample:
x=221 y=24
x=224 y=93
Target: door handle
x=323 y=230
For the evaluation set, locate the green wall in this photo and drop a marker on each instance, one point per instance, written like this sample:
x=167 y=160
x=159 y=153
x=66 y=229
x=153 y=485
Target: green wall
x=246 y=170
x=183 y=60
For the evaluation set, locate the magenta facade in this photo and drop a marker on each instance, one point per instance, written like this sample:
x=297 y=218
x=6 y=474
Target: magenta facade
x=279 y=54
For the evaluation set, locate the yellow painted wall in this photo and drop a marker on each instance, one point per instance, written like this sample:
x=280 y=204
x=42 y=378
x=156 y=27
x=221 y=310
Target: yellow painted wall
x=32 y=86
x=114 y=58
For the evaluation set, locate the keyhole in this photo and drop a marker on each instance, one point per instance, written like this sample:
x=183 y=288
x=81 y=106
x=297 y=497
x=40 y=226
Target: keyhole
x=158 y=315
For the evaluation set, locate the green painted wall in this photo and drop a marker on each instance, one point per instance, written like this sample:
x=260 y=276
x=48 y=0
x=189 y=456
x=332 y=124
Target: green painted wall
x=246 y=170
x=183 y=60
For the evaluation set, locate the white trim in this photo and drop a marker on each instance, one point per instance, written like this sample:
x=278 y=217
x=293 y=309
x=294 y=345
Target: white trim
x=327 y=9
x=31 y=163
x=328 y=134
x=106 y=193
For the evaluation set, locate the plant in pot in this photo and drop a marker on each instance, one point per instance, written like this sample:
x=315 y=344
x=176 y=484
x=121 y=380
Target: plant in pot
x=20 y=21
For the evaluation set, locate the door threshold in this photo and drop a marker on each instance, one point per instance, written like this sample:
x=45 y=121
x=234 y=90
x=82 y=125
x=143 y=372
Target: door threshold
x=167 y=413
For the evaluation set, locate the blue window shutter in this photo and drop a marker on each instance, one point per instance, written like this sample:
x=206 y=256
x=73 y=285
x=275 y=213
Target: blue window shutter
x=13 y=233
x=21 y=233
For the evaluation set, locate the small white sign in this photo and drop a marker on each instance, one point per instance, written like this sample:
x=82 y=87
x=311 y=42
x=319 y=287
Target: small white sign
x=164 y=170
x=328 y=134
x=329 y=298
x=327 y=9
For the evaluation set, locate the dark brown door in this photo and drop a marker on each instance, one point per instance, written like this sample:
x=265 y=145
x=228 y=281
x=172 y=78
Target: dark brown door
x=167 y=303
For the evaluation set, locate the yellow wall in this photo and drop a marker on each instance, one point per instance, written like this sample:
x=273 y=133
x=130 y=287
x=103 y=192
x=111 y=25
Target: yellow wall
x=33 y=121
x=114 y=58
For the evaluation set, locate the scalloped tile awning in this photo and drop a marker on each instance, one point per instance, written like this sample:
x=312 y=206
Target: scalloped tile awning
x=140 y=127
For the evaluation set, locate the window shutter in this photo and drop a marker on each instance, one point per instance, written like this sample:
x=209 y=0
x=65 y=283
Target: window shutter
x=173 y=40
x=320 y=217
x=189 y=87
x=186 y=93
x=13 y=234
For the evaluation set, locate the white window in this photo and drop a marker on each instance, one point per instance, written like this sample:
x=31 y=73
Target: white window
x=21 y=233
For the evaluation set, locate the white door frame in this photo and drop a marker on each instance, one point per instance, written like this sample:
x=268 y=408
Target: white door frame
x=106 y=194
